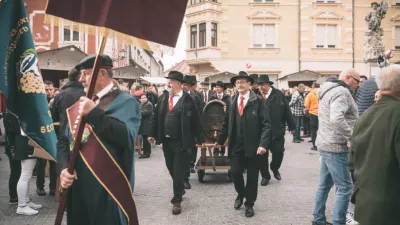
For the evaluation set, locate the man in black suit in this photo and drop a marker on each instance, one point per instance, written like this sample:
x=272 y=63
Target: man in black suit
x=220 y=95
x=189 y=86
x=254 y=87
x=206 y=93
x=249 y=134
x=280 y=114
x=176 y=124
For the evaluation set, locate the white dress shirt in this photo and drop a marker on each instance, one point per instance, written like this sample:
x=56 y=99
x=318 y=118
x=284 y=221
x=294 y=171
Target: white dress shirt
x=205 y=94
x=103 y=92
x=245 y=100
x=176 y=98
x=219 y=96
x=268 y=93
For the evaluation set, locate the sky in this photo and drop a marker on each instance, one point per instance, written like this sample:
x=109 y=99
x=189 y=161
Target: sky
x=179 y=51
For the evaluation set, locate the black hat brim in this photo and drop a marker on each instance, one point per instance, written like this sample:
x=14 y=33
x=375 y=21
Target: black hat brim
x=174 y=78
x=233 y=79
x=264 y=82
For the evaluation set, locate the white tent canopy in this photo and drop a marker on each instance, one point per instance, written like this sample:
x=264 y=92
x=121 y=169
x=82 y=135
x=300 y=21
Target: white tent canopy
x=155 y=80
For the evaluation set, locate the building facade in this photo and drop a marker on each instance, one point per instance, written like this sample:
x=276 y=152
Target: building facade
x=61 y=48
x=293 y=41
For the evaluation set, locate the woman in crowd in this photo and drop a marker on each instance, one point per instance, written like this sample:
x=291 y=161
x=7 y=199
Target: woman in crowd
x=146 y=110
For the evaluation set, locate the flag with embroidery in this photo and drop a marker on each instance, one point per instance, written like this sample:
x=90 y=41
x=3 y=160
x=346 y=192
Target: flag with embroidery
x=21 y=80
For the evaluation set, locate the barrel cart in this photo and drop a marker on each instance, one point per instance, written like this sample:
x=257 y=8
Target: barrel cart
x=213 y=119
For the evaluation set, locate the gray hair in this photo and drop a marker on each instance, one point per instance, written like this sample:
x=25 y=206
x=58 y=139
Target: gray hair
x=389 y=79
x=301 y=86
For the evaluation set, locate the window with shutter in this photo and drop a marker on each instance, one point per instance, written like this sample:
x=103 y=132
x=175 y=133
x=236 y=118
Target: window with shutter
x=320 y=36
x=397 y=38
x=258 y=36
x=269 y=36
x=331 y=36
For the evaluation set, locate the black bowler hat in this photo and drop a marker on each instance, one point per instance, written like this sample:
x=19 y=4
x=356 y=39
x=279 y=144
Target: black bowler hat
x=254 y=76
x=176 y=75
x=189 y=79
x=220 y=83
x=264 y=79
x=88 y=62
x=242 y=74
x=205 y=83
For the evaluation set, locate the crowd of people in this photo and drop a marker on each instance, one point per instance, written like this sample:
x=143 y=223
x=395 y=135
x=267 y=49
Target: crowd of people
x=352 y=121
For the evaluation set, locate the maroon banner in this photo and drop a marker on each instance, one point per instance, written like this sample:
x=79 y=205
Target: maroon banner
x=151 y=20
x=106 y=170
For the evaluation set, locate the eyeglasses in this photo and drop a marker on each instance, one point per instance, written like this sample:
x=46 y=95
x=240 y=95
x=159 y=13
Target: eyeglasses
x=357 y=80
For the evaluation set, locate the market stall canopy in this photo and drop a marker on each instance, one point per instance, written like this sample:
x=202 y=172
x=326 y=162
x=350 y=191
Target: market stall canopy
x=155 y=80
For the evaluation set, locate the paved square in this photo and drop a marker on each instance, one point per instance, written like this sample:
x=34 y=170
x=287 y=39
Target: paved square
x=286 y=202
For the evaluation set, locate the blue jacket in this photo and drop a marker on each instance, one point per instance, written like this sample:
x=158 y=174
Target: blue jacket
x=365 y=95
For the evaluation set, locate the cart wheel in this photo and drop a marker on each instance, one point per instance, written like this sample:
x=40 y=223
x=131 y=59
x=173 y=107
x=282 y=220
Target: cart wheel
x=230 y=176
x=200 y=174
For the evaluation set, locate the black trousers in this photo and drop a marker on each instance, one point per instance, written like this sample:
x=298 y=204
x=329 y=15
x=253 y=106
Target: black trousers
x=40 y=172
x=276 y=163
x=146 y=145
x=249 y=191
x=15 y=167
x=314 y=128
x=306 y=125
x=178 y=162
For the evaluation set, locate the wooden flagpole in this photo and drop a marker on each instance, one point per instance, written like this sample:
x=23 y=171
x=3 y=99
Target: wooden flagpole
x=79 y=131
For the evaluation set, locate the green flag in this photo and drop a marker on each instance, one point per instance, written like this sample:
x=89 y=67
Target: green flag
x=21 y=80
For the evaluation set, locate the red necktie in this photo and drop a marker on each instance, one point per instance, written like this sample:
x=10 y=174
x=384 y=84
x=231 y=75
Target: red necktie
x=241 y=106
x=265 y=97
x=171 y=102
x=219 y=96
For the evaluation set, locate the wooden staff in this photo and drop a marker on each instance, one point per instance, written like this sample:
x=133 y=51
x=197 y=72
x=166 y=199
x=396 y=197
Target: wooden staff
x=81 y=127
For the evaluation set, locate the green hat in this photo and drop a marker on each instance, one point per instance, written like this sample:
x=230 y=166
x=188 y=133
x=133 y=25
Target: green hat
x=220 y=83
x=189 y=79
x=88 y=62
x=176 y=75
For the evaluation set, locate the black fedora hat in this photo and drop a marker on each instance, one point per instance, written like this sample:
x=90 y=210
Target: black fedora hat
x=88 y=62
x=254 y=76
x=242 y=74
x=264 y=79
x=189 y=79
x=176 y=75
x=205 y=83
x=220 y=83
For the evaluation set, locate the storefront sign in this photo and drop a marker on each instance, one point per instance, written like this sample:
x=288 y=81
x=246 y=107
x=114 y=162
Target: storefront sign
x=257 y=66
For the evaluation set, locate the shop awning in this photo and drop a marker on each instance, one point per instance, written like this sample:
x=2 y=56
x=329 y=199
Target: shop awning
x=155 y=80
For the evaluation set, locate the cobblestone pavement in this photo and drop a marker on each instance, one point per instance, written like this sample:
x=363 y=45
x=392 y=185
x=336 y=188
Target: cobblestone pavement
x=285 y=202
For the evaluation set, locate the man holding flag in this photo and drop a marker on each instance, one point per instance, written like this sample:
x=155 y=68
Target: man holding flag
x=105 y=163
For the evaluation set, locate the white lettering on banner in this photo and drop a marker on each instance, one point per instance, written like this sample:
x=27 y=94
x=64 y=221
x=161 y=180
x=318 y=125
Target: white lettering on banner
x=261 y=66
x=205 y=75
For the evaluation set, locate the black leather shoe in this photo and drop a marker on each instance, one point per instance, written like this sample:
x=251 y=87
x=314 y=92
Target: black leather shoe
x=264 y=182
x=277 y=175
x=238 y=202
x=314 y=148
x=192 y=170
x=41 y=192
x=187 y=185
x=249 y=212
x=144 y=156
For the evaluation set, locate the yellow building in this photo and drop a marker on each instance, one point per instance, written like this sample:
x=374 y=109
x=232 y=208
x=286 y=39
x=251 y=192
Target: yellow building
x=293 y=41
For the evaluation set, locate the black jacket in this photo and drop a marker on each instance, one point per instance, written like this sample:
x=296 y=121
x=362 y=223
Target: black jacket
x=68 y=96
x=191 y=128
x=198 y=100
x=152 y=97
x=209 y=94
x=225 y=98
x=147 y=111
x=280 y=114
x=257 y=130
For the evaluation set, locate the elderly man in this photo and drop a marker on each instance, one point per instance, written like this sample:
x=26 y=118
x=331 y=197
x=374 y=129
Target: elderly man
x=278 y=109
x=375 y=155
x=297 y=107
x=110 y=144
x=248 y=129
x=176 y=125
x=337 y=114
